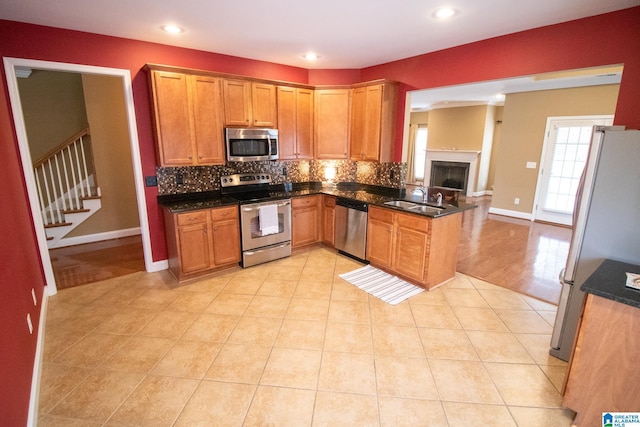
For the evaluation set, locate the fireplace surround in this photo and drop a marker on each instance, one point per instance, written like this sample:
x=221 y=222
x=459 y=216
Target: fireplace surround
x=466 y=158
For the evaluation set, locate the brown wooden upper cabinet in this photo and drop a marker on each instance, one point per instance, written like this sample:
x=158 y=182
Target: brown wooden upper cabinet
x=187 y=115
x=295 y=123
x=332 y=108
x=373 y=108
x=249 y=104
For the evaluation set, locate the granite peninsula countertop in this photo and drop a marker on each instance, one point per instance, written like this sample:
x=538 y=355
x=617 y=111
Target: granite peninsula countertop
x=372 y=195
x=608 y=281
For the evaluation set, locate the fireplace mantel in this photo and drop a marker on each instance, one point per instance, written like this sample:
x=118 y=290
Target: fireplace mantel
x=461 y=156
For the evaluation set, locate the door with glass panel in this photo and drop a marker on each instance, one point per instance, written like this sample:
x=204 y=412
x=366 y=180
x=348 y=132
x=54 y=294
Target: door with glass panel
x=563 y=158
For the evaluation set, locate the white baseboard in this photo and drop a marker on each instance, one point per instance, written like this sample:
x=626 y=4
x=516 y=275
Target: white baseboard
x=514 y=214
x=98 y=237
x=158 y=266
x=482 y=193
x=34 y=399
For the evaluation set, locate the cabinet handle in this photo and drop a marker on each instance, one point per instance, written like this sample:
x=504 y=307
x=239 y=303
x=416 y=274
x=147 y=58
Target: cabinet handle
x=215 y=228
x=190 y=157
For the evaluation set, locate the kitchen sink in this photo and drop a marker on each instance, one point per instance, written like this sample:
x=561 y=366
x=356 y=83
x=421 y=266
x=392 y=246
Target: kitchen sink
x=427 y=209
x=402 y=204
x=415 y=207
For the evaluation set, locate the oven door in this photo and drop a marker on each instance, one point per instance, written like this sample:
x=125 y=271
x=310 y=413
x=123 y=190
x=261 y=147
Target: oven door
x=253 y=237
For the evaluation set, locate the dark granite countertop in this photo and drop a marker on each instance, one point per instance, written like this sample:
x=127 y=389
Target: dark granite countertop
x=608 y=281
x=372 y=195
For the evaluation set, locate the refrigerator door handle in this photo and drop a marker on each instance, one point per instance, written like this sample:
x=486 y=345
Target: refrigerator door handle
x=562 y=310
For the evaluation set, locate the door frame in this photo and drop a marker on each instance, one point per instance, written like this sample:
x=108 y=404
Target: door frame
x=10 y=65
x=546 y=146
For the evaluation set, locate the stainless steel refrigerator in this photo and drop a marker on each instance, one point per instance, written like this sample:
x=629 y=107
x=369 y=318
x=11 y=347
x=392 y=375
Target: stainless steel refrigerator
x=606 y=223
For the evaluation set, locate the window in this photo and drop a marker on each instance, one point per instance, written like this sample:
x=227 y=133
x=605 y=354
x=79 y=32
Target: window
x=420 y=156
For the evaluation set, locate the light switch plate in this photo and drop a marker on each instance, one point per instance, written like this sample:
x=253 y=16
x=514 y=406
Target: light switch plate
x=531 y=165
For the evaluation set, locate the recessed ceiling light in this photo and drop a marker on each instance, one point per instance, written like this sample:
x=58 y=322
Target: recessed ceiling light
x=173 y=29
x=310 y=56
x=445 y=12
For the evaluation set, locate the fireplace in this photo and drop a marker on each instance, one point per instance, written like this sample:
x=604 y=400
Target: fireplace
x=450 y=174
x=466 y=159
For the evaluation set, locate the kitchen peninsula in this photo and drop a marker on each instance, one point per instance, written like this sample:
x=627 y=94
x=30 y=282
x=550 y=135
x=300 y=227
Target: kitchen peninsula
x=419 y=246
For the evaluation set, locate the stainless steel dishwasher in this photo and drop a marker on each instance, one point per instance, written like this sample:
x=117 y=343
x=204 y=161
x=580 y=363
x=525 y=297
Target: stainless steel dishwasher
x=350 y=236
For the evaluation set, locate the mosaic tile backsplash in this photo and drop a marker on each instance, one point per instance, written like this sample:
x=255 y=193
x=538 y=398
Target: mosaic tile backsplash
x=191 y=179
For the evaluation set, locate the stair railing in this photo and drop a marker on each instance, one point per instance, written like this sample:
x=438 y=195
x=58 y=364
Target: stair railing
x=64 y=176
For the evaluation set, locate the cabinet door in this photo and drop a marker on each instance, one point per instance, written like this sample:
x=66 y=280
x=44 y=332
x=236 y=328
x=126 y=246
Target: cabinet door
x=237 y=102
x=411 y=252
x=332 y=123
x=206 y=95
x=305 y=221
x=287 y=131
x=226 y=242
x=366 y=114
x=193 y=242
x=264 y=105
x=304 y=123
x=358 y=122
x=372 y=124
x=304 y=228
x=379 y=242
x=172 y=118
x=328 y=220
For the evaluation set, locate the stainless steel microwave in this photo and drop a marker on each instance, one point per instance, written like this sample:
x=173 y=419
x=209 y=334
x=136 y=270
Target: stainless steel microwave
x=251 y=144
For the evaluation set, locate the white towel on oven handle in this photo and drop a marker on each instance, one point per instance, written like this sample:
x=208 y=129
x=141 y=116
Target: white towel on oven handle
x=268 y=215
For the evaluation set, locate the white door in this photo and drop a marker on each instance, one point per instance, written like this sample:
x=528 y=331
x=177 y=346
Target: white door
x=564 y=155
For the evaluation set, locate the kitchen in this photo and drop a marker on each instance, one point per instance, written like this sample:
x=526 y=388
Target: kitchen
x=624 y=111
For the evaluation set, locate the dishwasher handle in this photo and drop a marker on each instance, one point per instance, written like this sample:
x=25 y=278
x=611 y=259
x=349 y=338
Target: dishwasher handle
x=352 y=204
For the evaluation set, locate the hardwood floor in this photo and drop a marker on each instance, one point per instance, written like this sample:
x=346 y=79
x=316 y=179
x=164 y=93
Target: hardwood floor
x=517 y=254
x=92 y=262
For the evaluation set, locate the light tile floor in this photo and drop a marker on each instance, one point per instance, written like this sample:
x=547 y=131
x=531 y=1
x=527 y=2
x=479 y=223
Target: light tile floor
x=289 y=343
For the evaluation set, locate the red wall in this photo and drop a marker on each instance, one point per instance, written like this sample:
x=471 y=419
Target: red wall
x=606 y=39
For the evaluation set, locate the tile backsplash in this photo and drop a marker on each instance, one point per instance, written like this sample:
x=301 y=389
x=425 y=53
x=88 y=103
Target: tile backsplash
x=190 y=179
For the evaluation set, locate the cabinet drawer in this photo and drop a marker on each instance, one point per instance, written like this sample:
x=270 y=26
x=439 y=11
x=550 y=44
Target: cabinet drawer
x=380 y=214
x=413 y=222
x=329 y=201
x=304 y=202
x=219 y=214
x=196 y=217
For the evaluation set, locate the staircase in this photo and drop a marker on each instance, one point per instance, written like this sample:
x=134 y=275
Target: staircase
x=67 y=187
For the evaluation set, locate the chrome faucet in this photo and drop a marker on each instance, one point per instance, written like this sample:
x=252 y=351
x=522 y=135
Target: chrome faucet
x=425 y=193
x=439 y=196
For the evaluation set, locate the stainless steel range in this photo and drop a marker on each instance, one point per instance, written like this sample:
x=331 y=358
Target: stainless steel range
x=265 y=218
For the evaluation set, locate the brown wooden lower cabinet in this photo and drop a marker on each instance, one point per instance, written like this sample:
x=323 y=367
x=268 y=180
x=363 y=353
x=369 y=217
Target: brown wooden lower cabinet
x=305 y=221
x=420 y=249
x=202 y=241
x=328 y=220
x=603 y=371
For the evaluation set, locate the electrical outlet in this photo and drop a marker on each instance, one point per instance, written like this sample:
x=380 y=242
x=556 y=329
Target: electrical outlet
x=531 y=165
x=516 y=201
x=151 y=181
x=179 y=179
x=284 y=171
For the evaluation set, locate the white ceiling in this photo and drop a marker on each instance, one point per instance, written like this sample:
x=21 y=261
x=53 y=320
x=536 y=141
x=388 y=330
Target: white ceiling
x=487 y=92
x=344 y=33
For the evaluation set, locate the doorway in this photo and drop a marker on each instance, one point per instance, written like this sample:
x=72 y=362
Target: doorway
x=564 y=155
x=11 y=67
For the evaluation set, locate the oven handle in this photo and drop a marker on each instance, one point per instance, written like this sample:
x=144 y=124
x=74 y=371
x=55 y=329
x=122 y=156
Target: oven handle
x=270 y=247
x=249 y=209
